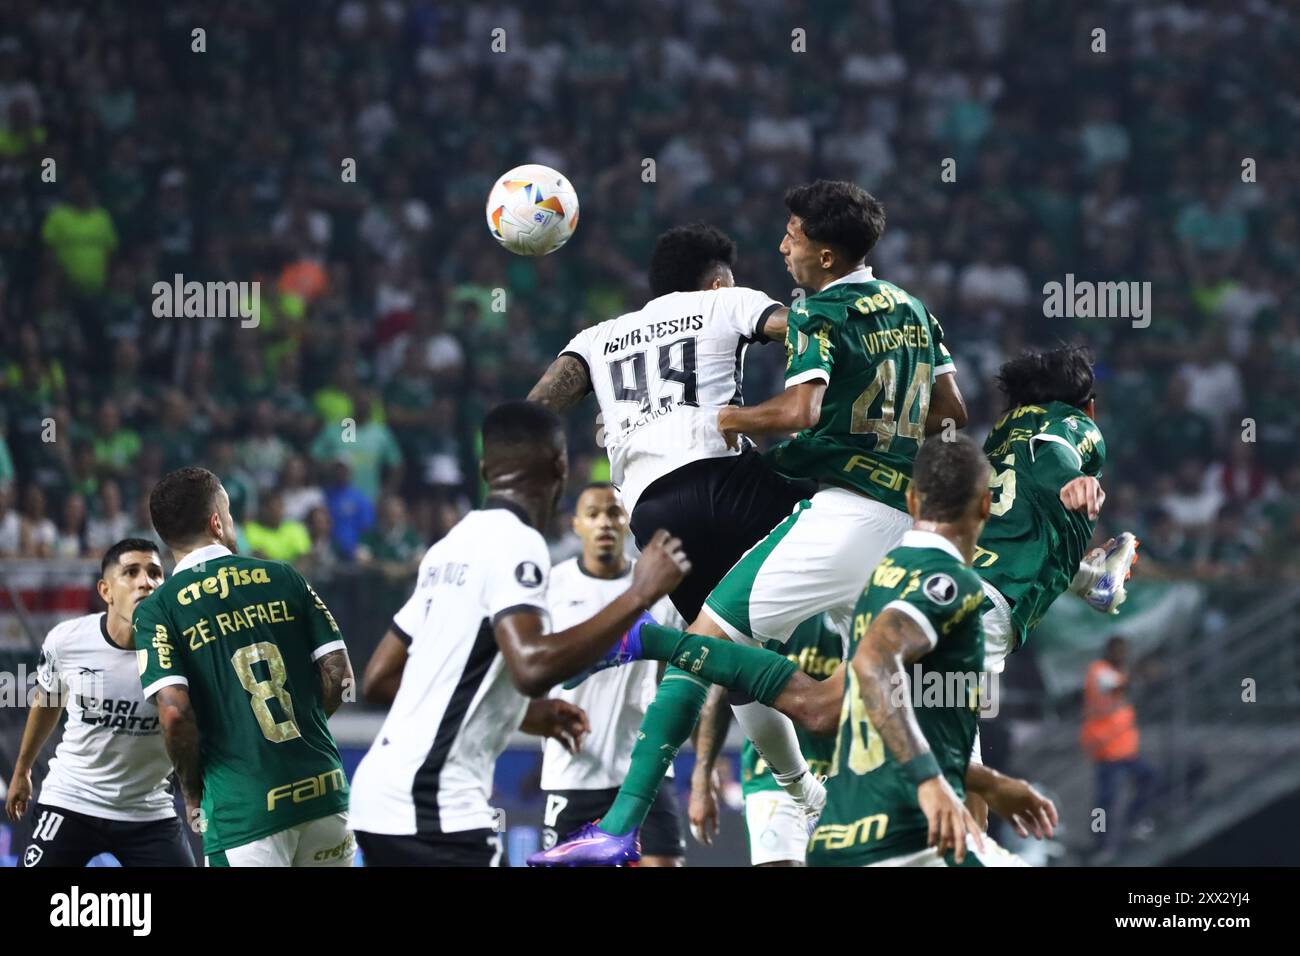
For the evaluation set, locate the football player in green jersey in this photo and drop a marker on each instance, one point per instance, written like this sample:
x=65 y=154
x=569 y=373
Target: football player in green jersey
x=928 y=590
x=246 y=664
x=1047 y=455
x=778 y=830
x=867 y=378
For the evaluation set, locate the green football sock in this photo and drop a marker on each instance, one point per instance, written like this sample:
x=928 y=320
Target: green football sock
x=668 y=721
x=756 y=671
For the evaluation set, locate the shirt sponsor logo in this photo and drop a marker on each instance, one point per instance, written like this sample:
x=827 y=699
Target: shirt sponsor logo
x=836 y=836
x=308 y=788
x=219 y=584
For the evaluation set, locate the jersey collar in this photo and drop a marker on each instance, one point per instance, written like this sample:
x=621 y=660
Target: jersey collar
x=928 y=539
x=208 y=552
x=857 y=275
x=514 y=509
x=627 y=569
x=108 y=638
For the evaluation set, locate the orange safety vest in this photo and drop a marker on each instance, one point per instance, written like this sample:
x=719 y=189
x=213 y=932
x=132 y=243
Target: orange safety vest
x=1109 y=730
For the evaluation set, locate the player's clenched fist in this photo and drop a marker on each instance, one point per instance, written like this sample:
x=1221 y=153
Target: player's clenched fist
x=1084 y=493
x=661 y=567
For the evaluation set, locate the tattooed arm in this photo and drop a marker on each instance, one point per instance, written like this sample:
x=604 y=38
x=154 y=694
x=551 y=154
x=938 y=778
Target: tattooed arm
x=565 y=384
x=335 y=677
x=892 y=642
x=181 y=737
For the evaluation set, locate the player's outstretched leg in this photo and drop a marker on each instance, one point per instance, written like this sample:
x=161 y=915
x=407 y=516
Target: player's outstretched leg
x=695 y=662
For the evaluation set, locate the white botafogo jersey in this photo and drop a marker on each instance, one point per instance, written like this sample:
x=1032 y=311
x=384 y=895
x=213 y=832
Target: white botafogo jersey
x=430 y=769
x=111 y=762
x=661 y=375
x=615 y=700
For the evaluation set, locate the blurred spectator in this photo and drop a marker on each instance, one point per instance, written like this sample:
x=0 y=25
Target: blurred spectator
x=81 y=237
x=71 y=539
x=1110 y=738
x=351 y=512
x=301 y=494
x=263 y=454
x=392 y=540
x=367 y=445
x=37 y=534
x=108 y=523
x=10 y=522
x=116 y=446
x=323 y=559
x=274 y=536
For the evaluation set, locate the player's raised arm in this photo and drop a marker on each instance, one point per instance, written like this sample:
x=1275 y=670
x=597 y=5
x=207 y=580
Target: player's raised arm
x=537 y=661
x=1014 y=800
x=564 y=384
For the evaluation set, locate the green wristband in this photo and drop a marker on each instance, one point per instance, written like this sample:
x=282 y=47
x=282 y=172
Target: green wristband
x=921 y=768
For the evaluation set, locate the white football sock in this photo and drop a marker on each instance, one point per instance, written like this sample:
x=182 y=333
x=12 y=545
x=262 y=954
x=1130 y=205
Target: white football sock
x=773 y=734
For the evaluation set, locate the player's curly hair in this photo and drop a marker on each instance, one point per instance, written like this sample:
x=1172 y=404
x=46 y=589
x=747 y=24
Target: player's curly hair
x=948 y=476
x=838 y=213
x=685 y=258
x=1058 y=375
x=181 y=503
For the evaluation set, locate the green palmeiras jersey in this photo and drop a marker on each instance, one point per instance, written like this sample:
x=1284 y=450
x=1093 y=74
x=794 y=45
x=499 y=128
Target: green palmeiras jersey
x=816 y=647
x=879 y=350
x=1032 y=545
x=872 y=813
x=243 y=635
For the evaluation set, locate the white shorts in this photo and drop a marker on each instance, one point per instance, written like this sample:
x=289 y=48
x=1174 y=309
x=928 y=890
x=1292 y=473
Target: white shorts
x=816 y=560
x=998 y=631
x=323 y=842
x=991 y=855
x=778 y=828
x=998 y=635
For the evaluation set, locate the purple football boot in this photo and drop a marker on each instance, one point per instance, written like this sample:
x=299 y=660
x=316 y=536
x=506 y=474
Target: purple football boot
x=625 y=650
x=589 y=845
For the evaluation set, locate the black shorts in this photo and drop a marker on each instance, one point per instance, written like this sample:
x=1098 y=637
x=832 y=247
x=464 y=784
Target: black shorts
x=466 y=848
x=662 y=834
x=720 y=508
x=59 y=837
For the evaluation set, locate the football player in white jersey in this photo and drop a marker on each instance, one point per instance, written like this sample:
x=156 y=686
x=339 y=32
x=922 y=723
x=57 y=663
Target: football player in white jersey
x=474 y=646
x=108 y=789
x=580 y=785
x=660 y=375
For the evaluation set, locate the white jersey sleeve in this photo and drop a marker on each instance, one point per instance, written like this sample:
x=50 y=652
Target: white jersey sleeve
x=47 y=668
x=746 y=310
x=517 y=578
x=582 y=346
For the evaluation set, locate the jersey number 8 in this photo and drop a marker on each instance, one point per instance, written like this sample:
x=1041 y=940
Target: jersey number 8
x=262 y=691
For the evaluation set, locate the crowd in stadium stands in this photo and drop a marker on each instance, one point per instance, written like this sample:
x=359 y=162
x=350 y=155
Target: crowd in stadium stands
x=345 y=424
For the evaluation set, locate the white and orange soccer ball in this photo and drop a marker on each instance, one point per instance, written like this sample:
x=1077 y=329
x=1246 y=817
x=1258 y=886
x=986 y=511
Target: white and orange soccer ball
x=532 y=210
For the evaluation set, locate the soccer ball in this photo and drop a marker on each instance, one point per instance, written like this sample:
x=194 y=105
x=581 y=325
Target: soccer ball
x=532 y=210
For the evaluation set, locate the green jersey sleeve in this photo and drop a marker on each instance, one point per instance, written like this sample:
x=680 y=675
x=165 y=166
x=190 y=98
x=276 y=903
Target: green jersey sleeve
x=161 y=665
x=322 y=629
x=937 y=599
x=808 y=354
x=1081 y=438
